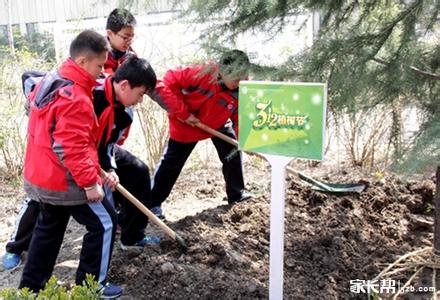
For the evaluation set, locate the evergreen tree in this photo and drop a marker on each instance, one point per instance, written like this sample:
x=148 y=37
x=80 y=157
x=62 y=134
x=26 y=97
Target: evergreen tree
x=373 y=52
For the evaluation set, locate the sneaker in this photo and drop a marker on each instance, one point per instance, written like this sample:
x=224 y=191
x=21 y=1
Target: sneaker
x=111 y=291
x=11 y=261
x=147 y=240
x=244 y=196
x=157 y=211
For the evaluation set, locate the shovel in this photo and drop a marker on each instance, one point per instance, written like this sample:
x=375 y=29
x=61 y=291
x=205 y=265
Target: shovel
x=152 y=217
x=317 y=185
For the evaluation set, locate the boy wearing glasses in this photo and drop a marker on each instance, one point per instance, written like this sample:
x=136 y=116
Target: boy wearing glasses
x=120 y=34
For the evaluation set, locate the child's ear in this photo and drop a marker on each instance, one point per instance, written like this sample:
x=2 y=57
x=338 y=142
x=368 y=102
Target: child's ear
x=124 y=84
x=80 y=60
x=110 y=33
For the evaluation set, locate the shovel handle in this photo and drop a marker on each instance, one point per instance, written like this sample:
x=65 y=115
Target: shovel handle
x=146 y=211
x=217 y=134
x=326 y=187
x=234 y=142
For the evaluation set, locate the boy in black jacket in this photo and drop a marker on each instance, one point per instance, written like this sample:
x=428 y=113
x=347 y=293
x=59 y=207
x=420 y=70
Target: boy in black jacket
x=113 y=103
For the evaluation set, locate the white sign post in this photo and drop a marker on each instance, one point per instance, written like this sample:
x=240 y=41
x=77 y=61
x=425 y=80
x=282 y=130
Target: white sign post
x=276 y=248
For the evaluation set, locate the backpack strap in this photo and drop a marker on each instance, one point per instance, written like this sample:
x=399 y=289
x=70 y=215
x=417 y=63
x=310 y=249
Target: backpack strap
x=30 y=79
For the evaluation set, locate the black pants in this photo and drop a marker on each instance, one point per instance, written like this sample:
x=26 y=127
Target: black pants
x=175 y=156
x=100 y=220
x=133 y=175
x=24 y=226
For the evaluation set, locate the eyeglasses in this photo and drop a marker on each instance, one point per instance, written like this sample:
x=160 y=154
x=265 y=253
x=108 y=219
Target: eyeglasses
x=125 y=38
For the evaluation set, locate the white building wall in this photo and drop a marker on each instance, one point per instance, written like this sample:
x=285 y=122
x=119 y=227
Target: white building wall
x=45 y=11
x=162 y=38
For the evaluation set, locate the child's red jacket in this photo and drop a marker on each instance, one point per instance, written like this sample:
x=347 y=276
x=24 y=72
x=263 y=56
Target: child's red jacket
x=196 y=90
x=115 y=59
x=61 y=156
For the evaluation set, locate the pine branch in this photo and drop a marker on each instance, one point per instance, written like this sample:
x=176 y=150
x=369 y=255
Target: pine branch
x=414 y=69
x=425 y=73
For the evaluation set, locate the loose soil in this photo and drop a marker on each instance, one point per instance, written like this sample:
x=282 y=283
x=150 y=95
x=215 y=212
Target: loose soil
x=330 y=239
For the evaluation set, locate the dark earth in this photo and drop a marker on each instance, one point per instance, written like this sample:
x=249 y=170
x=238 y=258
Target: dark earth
x=330 y=239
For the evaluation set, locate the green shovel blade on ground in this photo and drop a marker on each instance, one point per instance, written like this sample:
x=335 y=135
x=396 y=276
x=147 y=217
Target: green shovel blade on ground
x=317 y=185
x=330 y=187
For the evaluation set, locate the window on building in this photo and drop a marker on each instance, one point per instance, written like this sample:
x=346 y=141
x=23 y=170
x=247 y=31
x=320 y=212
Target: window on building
x=31 y=28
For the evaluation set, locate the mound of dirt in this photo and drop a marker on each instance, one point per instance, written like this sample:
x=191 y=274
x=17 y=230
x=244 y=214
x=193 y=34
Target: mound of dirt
x=329 y=240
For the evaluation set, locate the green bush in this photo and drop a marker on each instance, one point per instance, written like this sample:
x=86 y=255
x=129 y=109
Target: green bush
x=36 y=42
x=89 y=290
x=13 y=122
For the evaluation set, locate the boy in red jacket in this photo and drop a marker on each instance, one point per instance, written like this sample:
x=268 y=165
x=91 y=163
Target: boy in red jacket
x=207 y=94
x=112 y=103
x=62 y=169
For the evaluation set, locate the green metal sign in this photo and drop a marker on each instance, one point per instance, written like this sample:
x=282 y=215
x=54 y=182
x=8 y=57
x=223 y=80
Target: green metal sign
x=282 y=118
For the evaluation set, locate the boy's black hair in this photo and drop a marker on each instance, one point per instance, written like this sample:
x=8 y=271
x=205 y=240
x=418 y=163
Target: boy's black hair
x=119 y=18
x=234 y=64
x=88 y=43
x=137 y=71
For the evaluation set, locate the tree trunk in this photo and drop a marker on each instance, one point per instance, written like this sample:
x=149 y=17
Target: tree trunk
x=437 y=213
x=10 y=34
x=396 y=128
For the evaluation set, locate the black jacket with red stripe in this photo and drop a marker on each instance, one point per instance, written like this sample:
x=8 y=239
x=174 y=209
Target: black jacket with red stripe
x=114 y=116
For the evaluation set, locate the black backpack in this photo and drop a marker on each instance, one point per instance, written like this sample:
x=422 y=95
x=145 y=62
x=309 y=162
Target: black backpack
x=48 y=86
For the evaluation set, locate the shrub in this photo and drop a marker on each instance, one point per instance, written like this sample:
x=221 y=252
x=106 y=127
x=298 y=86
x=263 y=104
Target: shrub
x=13 y=120
x=89 y=290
